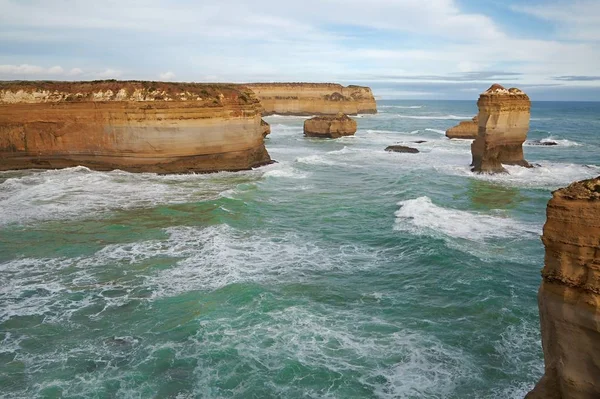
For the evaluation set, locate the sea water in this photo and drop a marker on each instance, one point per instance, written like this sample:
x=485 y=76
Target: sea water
x=342 y=271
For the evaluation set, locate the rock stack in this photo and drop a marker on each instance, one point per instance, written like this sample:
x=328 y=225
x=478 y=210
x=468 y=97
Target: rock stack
x=464 y=130
x=331 y=127
x=569 y=296
x=503 y=126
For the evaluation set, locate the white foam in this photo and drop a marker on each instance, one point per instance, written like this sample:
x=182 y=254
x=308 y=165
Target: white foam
x=79 y=192
x=436 y=131
x=421 y=216
x=317 y=160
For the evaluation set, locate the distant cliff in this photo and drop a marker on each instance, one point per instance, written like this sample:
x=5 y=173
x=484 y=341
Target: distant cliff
x=569 y=296
x=130 y=125
x=313 y=98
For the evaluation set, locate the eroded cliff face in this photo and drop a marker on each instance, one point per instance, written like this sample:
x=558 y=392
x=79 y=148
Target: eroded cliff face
x=313 y=98
x=332 y=127
x=569 y=296
x=503 y=125
x=134 y=126
x=464 y=130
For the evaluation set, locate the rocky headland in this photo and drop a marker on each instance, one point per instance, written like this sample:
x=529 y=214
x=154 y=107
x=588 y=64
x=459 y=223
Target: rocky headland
x=569 y=296
x=313 y=98
x=464 y=130
x=331 y=127
x=503 y=125
x=130 y=125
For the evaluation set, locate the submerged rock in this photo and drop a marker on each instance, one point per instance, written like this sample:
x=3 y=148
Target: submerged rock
x=503 y=125
x=569 y=296
x=331 y=127
x=542 y=142
x=401 y=148
x=464 y=130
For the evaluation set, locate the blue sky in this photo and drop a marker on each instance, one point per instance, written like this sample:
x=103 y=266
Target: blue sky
x=421 y=49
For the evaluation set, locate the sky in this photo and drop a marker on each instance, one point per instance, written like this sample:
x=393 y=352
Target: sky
x=403 y=49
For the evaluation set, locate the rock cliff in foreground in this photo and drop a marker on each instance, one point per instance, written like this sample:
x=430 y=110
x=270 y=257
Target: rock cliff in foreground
x=569 y=296
x=332 y=127
x=313 y=98
x=134 y=126
x=464 y=130
x=503 y=126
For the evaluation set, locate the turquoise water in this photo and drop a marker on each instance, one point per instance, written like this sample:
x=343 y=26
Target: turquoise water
x=342 y=271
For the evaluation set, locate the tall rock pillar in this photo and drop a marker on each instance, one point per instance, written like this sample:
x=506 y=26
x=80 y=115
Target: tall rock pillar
x=503 y=125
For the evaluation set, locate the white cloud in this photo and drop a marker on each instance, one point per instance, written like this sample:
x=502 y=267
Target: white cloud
x=56 y=70
x=166 y=75
x=109 y=74
x=75 y=72
x=23 y=69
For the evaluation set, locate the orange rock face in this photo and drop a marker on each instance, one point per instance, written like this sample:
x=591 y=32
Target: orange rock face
x=332 y=127
x=569 y=296
x=464 y=130
x=503 y=126
x=134 y=126
x=313 y=98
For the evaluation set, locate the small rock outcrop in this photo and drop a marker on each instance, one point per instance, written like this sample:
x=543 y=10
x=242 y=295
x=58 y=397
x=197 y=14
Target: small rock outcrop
x=130 y=125
x=266 y=128
x=503 y=126
x=464 y=130
x=313 y=98
x=569 y=296
x=331 y=127
x=401 y=148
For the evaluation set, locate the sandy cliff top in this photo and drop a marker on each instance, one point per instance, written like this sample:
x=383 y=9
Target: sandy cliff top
x=581 y=190
x=114 y=90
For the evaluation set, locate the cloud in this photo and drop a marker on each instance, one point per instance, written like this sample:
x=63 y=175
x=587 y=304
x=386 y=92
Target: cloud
x=575 y=20
x=166 y=75
x=109 y=74
x=571 y=78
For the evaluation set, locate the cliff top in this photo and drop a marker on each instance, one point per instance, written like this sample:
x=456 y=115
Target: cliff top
x=497 y=90
x=115 y=90
x=581 y=190
x=304 y=84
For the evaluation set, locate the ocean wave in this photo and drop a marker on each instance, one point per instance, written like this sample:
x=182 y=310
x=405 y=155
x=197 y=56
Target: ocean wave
x=435 y=117
x=80 y=192
x=402 y=106
x=421 y=216
x=552 y=141
x=436 y=131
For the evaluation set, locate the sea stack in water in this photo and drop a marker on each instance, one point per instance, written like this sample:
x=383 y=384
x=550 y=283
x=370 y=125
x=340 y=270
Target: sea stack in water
x=569 y=296
x=134 y=126
x=313 y=98
x=464 y=130
x=331 y=127
x=503 y=126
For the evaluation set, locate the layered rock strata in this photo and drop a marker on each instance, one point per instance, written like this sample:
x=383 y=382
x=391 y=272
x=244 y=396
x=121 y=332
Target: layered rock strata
x=569 y=296
x=133 y=126
x=503 y=125
x=332 y=127
x=464 y=130
x=313 y=98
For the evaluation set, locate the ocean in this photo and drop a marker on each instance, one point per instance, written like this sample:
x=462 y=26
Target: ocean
x=342 y=271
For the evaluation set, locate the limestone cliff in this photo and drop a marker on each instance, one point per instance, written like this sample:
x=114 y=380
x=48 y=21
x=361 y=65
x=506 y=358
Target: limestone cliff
x=134 y=126
x=464 y=130
x=503 y=125
x=332 y=127
x=569 y=296
x=313 y=98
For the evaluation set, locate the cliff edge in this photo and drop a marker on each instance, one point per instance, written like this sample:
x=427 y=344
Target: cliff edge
x=569 y=296
x=503 y=125
x=130 y=125
x=313 y=98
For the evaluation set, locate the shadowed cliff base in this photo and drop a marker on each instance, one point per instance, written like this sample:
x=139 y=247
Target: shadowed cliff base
x=130 y=125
